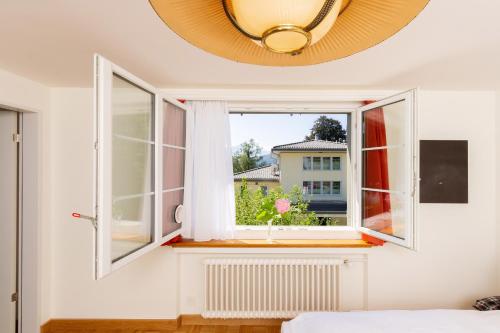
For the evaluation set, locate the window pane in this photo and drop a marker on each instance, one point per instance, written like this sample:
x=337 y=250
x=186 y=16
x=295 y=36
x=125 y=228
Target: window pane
x=174 y=125
x=336 y=187
x=171 y=200
x=316 y=163
x=306 y=163
x=327 y=163
x=384 y=212
x=173 y=168
x=316 y=187
x=336 y=163
x=326 y=188
x=132 y=110
x=306 y=187
x=132 y=225
x=384 y=169
x=132 y=168
x=383 y=126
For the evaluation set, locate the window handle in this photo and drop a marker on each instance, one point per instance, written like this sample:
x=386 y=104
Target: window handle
x=91 y=219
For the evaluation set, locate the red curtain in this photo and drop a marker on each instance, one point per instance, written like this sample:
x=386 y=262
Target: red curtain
x=376 y=205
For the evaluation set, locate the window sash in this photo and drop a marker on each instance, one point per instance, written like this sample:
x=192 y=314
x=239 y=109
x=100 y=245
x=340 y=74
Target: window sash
x=408 y=128
x=104 y=71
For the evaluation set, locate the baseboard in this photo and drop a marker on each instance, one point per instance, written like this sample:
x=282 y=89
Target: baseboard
x=145 y=325
x=109 y=325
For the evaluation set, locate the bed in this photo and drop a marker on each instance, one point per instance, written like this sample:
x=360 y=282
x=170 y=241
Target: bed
x=396 y=321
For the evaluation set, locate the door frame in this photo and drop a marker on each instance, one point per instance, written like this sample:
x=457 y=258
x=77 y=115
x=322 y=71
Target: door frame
x=29 y=212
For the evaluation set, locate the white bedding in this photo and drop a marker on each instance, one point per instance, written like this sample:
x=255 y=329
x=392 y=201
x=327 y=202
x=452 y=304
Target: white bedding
x=398 y=321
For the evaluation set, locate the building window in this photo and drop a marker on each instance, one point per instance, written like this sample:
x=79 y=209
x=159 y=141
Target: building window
x=335 y=163
x=306 y=163
x=335 y=187
x=327 y=163
x=306 y=187
x=316 y=187
x=316 y=163
x=326 y=188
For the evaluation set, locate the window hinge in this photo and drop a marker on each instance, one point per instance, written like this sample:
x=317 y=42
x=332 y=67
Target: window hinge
x=13 y=297
x=16 y=137
x=414 y=189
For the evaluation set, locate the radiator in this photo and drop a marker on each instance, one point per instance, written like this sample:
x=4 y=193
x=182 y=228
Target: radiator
x=270 y=288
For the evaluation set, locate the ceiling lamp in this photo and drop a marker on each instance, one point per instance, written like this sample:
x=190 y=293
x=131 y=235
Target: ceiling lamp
x=283 y=26
x=286 y=32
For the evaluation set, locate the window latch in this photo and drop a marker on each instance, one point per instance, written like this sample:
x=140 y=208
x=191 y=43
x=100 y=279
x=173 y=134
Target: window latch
x=91 y=219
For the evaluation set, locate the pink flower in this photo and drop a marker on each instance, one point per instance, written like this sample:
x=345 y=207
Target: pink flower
x=282 y=205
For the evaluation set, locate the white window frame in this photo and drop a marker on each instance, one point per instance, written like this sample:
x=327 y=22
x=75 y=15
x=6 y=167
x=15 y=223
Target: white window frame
x=319 y=101
x=410 y=187
x=104 y=70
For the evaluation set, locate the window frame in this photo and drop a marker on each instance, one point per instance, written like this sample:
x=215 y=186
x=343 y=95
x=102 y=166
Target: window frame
x=103 y=76
x=411 y=184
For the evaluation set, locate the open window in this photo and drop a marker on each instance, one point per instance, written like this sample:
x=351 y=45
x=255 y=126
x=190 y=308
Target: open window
x=386 y=169
x=140 y=157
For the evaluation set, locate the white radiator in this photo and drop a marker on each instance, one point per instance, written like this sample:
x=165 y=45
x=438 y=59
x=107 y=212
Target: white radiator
x=270 y=288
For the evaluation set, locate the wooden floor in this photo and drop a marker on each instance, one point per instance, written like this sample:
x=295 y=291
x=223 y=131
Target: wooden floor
x=225 y=329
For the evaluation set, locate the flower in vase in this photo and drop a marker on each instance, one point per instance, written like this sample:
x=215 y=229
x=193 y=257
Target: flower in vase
x=282 y=205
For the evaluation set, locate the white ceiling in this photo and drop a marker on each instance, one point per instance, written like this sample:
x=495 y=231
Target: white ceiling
x=452 y=44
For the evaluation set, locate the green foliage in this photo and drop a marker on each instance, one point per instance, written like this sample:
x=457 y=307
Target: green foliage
x=247 y=157
x=327 y=129
x=254 y=208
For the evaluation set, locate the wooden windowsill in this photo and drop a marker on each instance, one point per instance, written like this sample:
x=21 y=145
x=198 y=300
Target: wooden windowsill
x=278 y=243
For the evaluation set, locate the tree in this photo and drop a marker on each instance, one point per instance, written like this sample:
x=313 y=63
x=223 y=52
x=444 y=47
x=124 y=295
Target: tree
x=327 y=129
x=247 y=156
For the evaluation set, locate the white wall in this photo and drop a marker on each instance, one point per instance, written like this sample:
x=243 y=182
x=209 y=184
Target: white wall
x=456 y=260
x=455 y=265
x=25 y=95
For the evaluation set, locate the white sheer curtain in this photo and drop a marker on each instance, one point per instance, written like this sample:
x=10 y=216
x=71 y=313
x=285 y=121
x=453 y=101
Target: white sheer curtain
x=209 y=199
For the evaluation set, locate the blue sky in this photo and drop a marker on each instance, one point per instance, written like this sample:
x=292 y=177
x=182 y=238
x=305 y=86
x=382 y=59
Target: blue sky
x=270 y=130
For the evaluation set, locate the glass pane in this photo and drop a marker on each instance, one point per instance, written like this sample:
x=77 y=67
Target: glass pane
x=326 y=188
x=307 y=163
x=336 y=188
x=174 y=125
x=316 y=163
x=132 y=110
x=316 y=187
x=336 y=163
x=132 y=225
x=173 y=168
x=383 y=126
x=384 y=212
x=170 y=202
x=132 y=167
x=384 y=169
x=326 y=163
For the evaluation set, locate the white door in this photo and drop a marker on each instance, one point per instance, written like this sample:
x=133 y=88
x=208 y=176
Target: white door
x=8 y=221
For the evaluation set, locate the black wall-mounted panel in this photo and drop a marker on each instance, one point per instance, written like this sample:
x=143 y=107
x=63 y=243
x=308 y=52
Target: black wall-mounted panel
x=444 y=171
